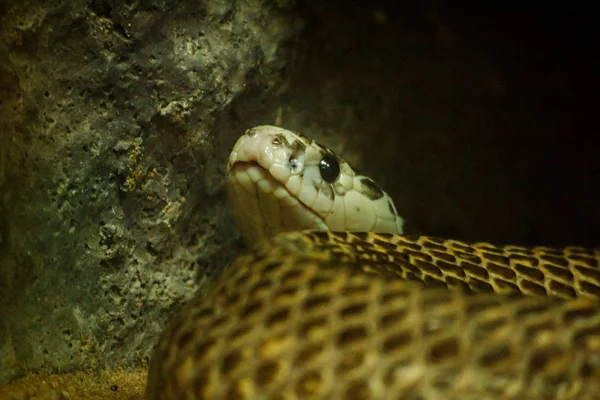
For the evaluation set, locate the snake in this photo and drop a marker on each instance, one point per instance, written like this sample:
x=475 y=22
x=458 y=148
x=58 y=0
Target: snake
x=332 y=300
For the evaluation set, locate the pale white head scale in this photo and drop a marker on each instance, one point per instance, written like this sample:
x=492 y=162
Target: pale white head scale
x=279 y=180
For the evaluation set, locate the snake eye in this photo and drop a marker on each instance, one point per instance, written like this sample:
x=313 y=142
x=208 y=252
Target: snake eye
x=329 y=168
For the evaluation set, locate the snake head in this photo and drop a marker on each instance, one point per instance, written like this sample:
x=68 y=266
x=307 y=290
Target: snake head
x=279 y=180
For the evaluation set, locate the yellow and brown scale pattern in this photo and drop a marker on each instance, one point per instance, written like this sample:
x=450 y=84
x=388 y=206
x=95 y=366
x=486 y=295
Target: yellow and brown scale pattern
x=480 y=267
x=298 y=317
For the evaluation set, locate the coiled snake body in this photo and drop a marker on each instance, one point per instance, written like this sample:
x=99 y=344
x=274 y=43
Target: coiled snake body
x=340 y=313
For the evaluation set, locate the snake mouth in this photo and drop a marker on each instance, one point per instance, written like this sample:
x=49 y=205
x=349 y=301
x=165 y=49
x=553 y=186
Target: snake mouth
x=263 y=205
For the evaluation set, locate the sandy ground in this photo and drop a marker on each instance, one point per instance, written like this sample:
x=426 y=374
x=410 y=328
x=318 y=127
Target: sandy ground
x=81 y=385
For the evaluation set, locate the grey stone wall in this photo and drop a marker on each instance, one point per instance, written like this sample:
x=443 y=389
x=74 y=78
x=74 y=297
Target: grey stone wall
x=116 y=120
x=111 y=193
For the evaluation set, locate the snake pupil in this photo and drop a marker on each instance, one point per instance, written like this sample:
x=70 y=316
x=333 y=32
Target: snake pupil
x=329 y=168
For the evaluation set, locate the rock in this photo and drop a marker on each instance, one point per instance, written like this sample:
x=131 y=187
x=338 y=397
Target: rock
x=108 y=210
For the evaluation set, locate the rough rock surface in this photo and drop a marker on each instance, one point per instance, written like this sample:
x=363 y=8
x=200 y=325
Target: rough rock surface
x=116 y=118
x=111 y=191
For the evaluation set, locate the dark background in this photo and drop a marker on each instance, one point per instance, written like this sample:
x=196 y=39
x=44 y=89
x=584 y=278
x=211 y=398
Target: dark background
x=480 y=118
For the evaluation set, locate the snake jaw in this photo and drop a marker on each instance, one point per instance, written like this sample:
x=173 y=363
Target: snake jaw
x=263 y=207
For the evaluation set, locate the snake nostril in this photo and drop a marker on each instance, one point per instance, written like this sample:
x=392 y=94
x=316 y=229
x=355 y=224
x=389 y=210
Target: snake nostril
x=294 y=165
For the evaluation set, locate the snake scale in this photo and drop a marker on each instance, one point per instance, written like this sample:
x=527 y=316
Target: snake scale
x=333 y=302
